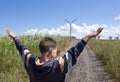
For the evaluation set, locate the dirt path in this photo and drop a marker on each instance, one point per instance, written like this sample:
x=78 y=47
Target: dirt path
x=87 y=69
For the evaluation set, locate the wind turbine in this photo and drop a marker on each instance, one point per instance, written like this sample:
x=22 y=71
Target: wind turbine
x=70 y=23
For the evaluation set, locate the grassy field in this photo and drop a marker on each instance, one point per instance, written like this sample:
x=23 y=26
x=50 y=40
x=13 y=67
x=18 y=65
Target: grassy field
x=109 y=52
x=11 y=68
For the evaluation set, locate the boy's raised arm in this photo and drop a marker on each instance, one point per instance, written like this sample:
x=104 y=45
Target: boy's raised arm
x=24 y=52
x=70 y=57
x=93 y=34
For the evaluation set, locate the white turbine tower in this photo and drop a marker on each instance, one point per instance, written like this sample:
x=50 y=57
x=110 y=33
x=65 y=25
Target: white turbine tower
x=70 y=23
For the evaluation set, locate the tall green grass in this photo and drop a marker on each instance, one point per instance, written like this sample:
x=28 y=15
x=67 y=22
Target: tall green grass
x=109 y=52
x=11 y=67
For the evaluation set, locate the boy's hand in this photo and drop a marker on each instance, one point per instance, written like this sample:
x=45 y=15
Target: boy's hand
x=95 y=33
x=11 y=34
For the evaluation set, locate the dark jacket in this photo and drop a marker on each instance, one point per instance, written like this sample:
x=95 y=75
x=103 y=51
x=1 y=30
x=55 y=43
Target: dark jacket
x=49 y=71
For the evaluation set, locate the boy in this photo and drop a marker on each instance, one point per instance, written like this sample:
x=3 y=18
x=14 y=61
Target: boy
x=48 y=68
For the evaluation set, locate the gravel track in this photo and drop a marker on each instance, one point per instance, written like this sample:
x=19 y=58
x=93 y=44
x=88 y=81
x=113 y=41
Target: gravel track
x=87 y=69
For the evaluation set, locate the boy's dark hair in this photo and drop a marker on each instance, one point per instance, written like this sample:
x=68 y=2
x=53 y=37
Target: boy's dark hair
x=46 y=43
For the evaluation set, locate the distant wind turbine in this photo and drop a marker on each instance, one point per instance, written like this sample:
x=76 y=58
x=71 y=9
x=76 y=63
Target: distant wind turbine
x=70 y=23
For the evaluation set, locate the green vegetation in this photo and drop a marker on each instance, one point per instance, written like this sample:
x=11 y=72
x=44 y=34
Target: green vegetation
x=109 y=52
x=11 y=68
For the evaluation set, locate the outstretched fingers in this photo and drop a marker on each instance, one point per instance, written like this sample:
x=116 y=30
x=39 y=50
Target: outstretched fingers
x=99 y=30
x=10 y=33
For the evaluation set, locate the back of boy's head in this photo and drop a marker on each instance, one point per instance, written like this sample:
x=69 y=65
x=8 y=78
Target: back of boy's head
x=46 y=43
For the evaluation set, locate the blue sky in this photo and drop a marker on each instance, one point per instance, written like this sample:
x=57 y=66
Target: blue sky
x=21 y=15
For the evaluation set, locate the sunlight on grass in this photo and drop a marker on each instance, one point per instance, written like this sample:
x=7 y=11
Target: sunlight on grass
x=109 y=52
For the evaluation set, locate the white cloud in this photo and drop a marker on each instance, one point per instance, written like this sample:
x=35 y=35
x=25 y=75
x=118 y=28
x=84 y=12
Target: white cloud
x=117 y=18
x=78 y=31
